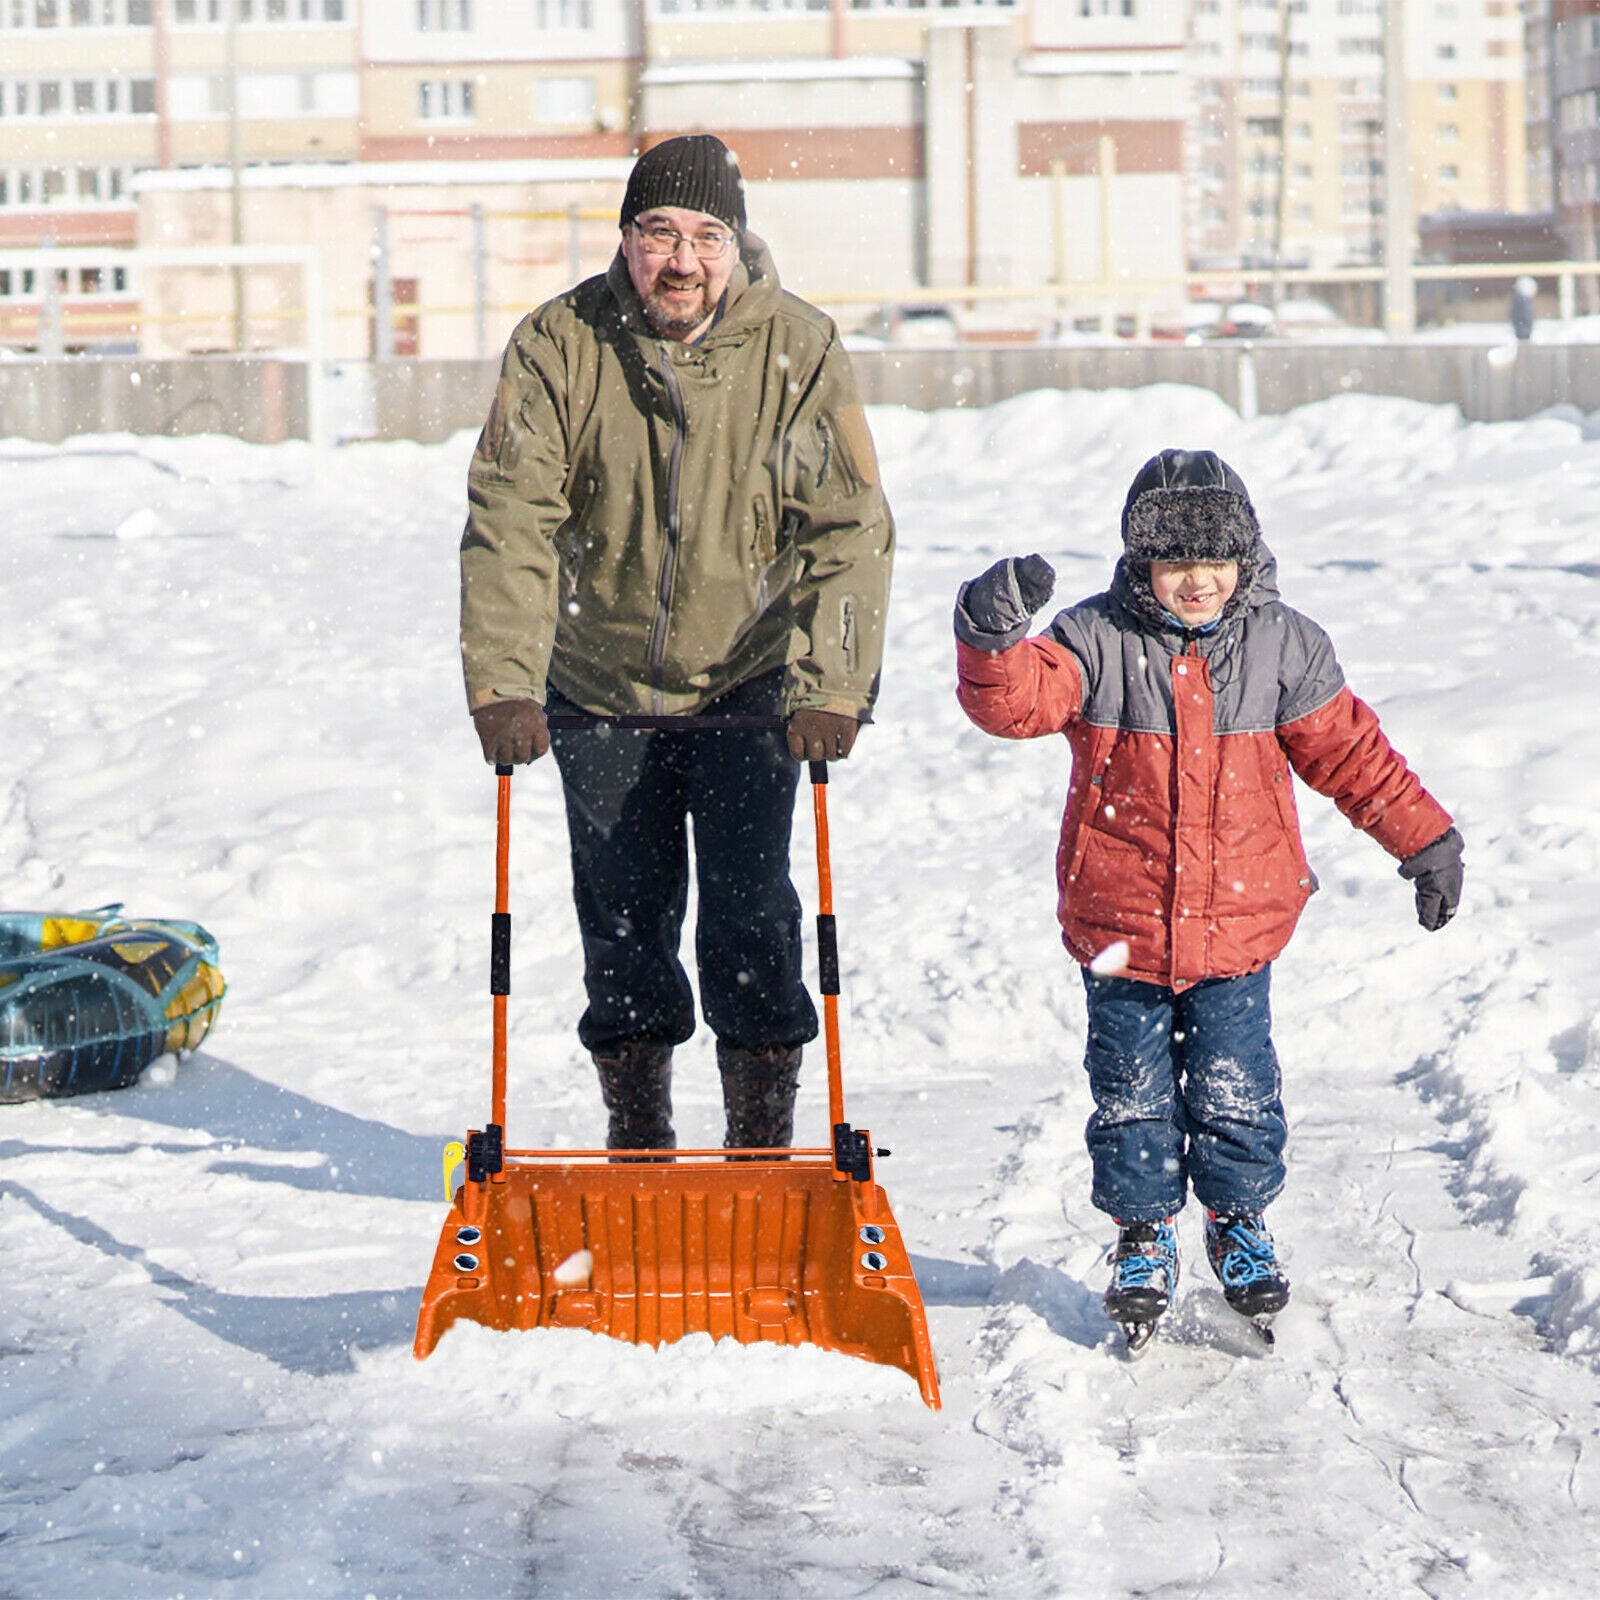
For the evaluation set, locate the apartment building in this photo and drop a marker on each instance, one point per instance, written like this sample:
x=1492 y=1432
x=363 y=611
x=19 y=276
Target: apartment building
x=953 y=142
x=498 y=79
x=1538 y=105
x=886 y=143
x=1295 y=88
x=1575 y=121
x=986 y=143
x=95 y=92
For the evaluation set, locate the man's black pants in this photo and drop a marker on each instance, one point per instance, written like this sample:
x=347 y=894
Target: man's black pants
x=630 y=797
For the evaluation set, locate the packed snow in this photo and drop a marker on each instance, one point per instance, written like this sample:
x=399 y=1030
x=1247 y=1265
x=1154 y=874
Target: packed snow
x=231 y=694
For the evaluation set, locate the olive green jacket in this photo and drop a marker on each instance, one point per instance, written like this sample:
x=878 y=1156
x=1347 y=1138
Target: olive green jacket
x=652 y=523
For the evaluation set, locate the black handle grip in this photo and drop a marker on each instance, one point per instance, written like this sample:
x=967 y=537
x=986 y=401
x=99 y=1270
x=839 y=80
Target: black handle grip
x=827 y=954
x=500 y=953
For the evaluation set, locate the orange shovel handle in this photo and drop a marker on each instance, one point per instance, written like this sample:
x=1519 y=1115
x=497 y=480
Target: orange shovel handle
x=500 y=944
x=827 y=944
x=827 y=940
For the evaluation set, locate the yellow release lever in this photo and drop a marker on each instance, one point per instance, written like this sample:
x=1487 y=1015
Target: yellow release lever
x=455 y=1155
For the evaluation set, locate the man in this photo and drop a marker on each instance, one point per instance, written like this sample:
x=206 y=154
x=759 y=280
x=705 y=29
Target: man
x=674 y=509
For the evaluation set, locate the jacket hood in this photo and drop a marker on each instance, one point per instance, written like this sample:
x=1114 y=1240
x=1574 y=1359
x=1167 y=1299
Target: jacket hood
x=750 y=299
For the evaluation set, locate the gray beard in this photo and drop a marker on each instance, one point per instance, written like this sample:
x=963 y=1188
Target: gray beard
x=671 y=324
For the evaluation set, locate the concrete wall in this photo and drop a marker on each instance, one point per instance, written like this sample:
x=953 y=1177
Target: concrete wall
x=264 y=400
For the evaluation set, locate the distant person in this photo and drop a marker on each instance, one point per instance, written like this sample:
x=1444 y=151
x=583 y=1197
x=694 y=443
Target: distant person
x=1189 y=693
x=1523 y=293
x=674 y=509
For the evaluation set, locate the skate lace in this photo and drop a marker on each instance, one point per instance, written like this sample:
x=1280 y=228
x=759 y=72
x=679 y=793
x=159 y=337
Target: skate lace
x=1147 y=1261
x=1250 y=1260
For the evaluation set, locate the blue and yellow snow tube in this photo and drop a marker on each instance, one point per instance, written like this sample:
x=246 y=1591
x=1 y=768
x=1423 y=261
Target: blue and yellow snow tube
x=88 y=1000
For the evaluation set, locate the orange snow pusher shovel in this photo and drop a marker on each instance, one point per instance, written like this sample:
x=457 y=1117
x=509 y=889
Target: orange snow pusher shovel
x=763 y=1246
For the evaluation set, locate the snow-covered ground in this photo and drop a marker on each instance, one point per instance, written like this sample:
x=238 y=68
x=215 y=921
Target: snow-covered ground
x=231 y=694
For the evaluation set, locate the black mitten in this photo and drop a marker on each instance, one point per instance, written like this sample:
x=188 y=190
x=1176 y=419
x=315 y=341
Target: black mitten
x=993 y=611
x=1436 y=870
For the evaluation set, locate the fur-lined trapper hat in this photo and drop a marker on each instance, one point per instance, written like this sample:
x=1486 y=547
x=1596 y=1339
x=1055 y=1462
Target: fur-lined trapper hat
x=1188 y=505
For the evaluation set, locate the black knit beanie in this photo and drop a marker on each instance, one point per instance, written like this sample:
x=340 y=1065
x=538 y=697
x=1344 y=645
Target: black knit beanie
x=1188 y=505
x=696 y=172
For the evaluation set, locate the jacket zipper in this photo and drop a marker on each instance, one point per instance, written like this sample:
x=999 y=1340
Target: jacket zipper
x=669 y=556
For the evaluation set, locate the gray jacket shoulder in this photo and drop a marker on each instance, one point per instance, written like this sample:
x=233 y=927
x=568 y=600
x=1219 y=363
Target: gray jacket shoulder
x=1308 y=670
x=1271 y=667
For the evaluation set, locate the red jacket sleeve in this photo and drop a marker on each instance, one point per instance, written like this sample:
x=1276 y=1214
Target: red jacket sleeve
x=1340 y=750
x=1034 y=688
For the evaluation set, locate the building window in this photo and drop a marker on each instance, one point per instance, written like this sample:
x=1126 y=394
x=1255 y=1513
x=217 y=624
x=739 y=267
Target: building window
x=1445 y=92
x=1105 y=8
x=577 y=14
x=142 y=97
x=445 y=100
x=83 y=96
x=564 y=100
x=445 y=16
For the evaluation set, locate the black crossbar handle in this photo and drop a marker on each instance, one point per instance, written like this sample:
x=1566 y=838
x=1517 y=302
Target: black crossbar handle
x=715 y=722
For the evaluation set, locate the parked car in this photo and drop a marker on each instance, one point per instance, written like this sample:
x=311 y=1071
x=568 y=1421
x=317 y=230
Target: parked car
x=922 y=325
x=1306 y=318
x=1242 y=319
x=1188 y=324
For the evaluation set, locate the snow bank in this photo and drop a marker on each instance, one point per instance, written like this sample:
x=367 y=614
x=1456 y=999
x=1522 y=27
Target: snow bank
x=232 y=694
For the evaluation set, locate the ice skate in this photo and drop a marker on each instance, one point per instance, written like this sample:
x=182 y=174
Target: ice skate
x=1242 y=1255
x=1144 y=1278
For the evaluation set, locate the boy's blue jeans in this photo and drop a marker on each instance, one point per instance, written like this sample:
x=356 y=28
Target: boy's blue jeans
x=1187 y=1094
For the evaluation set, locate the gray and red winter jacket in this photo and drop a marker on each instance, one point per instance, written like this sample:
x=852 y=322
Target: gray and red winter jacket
x=1180 y=834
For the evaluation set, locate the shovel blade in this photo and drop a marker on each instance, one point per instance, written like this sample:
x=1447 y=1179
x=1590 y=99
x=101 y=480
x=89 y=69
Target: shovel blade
x=765 y=1252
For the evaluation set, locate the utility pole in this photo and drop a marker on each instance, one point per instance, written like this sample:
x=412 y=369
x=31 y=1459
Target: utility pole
x=1399 y=292
x=1281 y=213
x=382 y=287
x=480 y=281
x=241 y=312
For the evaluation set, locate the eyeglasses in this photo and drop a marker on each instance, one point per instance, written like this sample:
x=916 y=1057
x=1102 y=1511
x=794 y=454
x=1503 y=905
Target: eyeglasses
x=660 y=240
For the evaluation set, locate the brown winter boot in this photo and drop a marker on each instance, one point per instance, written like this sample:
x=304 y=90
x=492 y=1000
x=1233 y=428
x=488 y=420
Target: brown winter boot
x=636 y=1085
x=758 y=1090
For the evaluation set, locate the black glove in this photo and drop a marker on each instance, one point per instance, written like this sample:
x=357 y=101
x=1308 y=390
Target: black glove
x=1436 y=870
x=821 y=735
x=992 y=612
x=512 y=731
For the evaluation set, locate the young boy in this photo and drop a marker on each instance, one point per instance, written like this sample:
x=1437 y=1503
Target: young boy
x=1188 y=691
